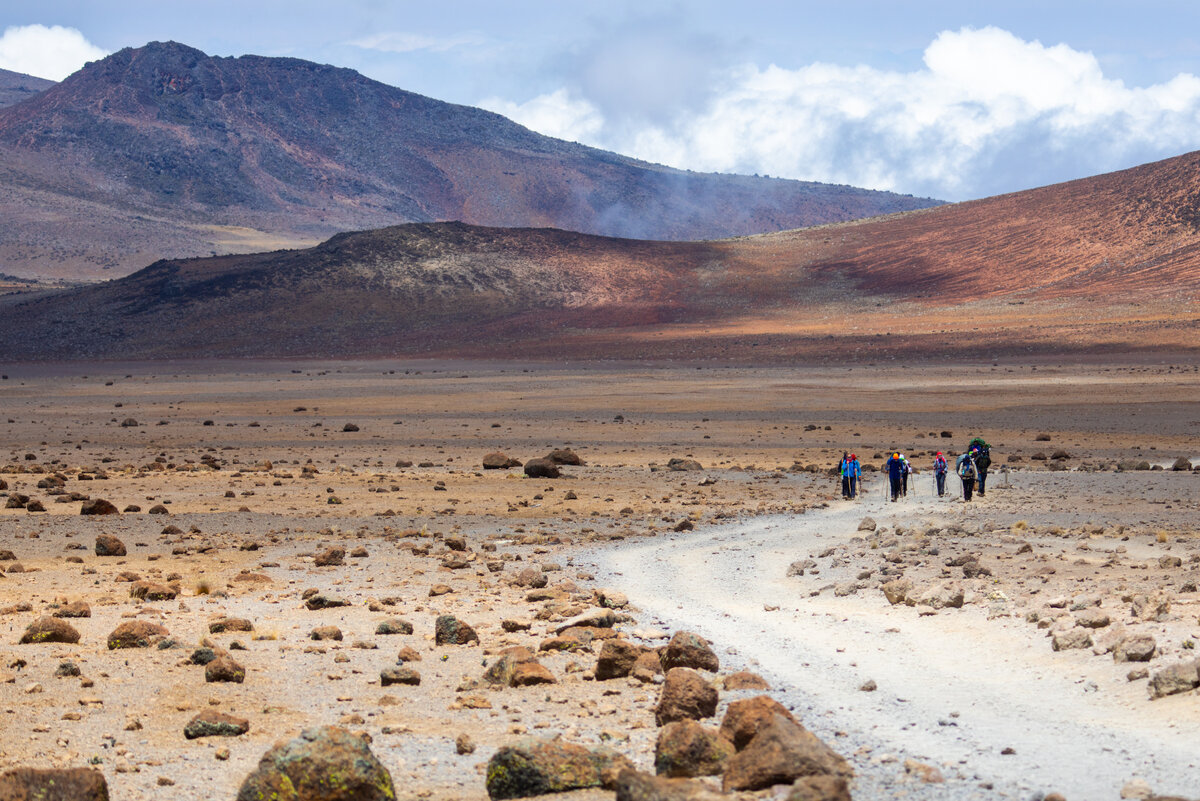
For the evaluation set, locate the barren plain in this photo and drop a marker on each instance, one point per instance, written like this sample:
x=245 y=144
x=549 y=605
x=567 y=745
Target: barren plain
x=1002 y=662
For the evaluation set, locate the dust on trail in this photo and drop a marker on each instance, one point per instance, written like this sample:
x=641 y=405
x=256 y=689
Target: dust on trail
x=954 y=689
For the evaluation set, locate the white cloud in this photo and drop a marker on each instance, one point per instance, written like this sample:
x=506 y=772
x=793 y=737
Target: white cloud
x=556 y=114
x=47 y=52
x=403 y=42
x=987 y=113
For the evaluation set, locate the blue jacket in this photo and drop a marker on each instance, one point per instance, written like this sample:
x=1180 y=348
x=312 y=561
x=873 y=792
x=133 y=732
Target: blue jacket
x=895 y=467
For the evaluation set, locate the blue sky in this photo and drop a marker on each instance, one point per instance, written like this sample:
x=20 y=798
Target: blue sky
x=949 y=99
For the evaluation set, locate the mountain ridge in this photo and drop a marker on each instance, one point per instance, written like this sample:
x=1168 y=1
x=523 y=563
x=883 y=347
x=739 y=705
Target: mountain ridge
x=297 y=151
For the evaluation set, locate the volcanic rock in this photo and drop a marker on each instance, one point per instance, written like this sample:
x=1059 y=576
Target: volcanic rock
x=399 y=675
x=616 y=659
x=49 y=629
x=691 y=651
x=745 y=717
x=135 y=634
x=330 y=557
x=687 y=749
x=542 y=468
x=108 y=545
x=536 y=767
x=781 y=752
x=449 y=630
x=53 y=784
x=685 y=695
x=322 y=764
x=499 y=461
x=211 y=723
x=224 y=669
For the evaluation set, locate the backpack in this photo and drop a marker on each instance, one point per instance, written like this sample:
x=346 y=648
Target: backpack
x=983 y=457
x=966 y=467
x=939 y=464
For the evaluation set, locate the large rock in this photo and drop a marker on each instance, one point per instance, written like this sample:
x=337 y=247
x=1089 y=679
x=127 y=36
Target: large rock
x=782 y=752
x=1177 y=678
x=449 y=630
x=542 y=468
x=108 y=545
x=635 y=786
x=1139 y=648
x=322 y=764
x=399 y=675
x=678 y=465
x=1071 y=639
x=499 y=461
x=686 y=749
x=1151 y=607
x=745 y=680
x=896 y=591
x=53 y=784
x=685 y=696
x=944 y=595
x=74 y=609
x=822 y=788
x=98 y=506
x=1181 y=464
x=529 y=674
x=691 y=651
x=211 y=723
x=616 y=659
x=536 y=767
x=49 y=629
x=224 y=669
x=152 y=591
x=330 y=557
x=136 y=634
x=744 y=718
x=565 y=456
x=394 y=625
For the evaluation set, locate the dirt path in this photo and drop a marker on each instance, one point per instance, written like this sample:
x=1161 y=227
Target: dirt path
x=954 y=689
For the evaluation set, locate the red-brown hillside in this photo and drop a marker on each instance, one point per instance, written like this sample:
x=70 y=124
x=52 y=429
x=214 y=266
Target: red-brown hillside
x=1105 y=264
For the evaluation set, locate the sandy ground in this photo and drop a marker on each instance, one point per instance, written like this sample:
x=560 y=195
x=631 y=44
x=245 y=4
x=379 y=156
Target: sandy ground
x=755 y=506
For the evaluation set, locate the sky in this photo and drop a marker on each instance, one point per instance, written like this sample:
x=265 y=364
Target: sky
x=953 y=100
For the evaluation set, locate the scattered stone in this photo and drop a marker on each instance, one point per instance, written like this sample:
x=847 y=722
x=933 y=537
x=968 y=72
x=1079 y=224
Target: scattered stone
x=74 y=609
x=449 y=630
x=683 y=465
x=322 y=764
x=135 y=634
x=542 y=468
x=896 y=591
x=499 y=461
x=745 y=680
x=635 y=786
x=399 y=675
x=745 y=717
x=685 y=695
x=227 y=624
x=945 y=595
x=394 y=626
x=152 y=591
x=224 y=669
x=824 y=788
x=1071 y=639
x=326 y=633
x=53 y=784
x=315 y=602
x=463 y=744
x=211 y=723
x=867 y=524
x=99 y=506
x=1092 y=618
x=690 y=651
x=593 y=618
x=687 y=749
x=49 y=629
x=108 y=545
x=1139 y=648
x=781 y=752
x=330 y=557
x=1173 y=679
x=536 y=767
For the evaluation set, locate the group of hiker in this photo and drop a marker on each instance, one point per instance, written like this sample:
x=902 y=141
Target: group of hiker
x=971 y=467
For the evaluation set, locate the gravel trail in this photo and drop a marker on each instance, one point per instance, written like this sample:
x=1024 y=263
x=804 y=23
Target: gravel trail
x=955 y=690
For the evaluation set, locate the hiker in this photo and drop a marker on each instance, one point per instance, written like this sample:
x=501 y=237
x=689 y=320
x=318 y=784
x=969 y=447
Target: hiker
x=855 y=469
x=844 y=472
x=939 y=473
x=895 y=469
x=981 y=453
x=904 y=475
x=965 y=467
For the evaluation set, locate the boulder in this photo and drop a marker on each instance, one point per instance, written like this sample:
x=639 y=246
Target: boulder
x=1139 y=648
x=532 y=577
x=1151 y=607
x=635 y=786
x=896 y=591
x=98 y=506
x=449 y=630
x=330 y=557
x=616 y=660
x=529 y=674
x=824 y=788
x=744 y=718
x=1071 y=639
x=53 y=784
x=686 y=749
x=745 y=680
x=685 y=695
x=1177 y=678
x=315 y=602
x=227 y=624
x=539 y=766
x=1181 y=464
x=691 y=651
x=683 y=465
x=49 y=629
x=152 y=591
x=944 y=595
x=136 y=634
x=322 y=764
x=211 y=723
x=867 y=524
x=394 y=626
x=74 y=609
x=326 y=633
x=1092 y=618
x=542 y=468
x=399 y=675
x=780 y=753
x=499 y=461
x=565 y=456
x=224 y=669
x=598 y=618
x=108 y=545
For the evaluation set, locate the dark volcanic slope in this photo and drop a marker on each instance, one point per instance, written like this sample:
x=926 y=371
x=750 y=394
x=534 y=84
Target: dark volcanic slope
x=288 y=146
x=15 y=87
x=1071 y=251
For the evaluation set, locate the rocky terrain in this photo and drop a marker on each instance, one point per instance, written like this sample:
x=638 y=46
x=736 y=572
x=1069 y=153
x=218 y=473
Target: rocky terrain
x=163 y=151
x=448 y=565
x=16 y=86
